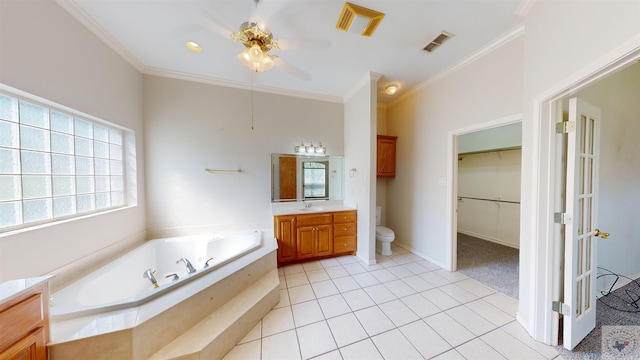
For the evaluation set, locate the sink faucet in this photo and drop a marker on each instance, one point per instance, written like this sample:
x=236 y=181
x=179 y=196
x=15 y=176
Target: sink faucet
x=190 y=268
x=307 y=205
x=149 y=275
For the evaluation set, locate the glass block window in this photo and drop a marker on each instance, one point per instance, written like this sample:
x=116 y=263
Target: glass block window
x=55 y=164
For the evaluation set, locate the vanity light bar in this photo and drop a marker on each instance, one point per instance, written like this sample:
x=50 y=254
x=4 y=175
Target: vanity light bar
x=310 y=149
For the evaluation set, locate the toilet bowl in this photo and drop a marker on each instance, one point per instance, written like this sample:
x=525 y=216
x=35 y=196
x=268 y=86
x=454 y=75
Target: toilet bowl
x=384 y=235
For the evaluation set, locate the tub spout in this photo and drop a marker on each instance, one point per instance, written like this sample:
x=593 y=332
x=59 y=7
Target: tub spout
x=149 y=275
x=187 y=263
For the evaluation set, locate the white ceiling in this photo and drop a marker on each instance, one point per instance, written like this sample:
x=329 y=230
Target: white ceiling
x=317 y=60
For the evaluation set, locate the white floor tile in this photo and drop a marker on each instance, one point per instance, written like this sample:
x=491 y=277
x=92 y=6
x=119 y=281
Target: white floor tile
x=517 y=331
x=283 y=282
x=477 y=349
x=365 y=279
x=327 y=263
x=454 y=333
x=300 y=294
x=379 y=294
x=400 y=272
x=393 y=345
x=386 y=261
x=296 y=279
x=428 y=265
x=399 y=288
x=471 y=320
x=277 y=320
x=317 y=275
x=293 y=269
x=344 y=260
x=504 y=303
x=383 y=275
x=415 y=268
x=306 y=313
x=413 y=257
x=398 y=312
x=420 y=305
x=280 y=271
x=311 y=265
x=440 y=299
x=434 y=279
x=283 y=346
x=315 y=339
x=373 y=267
x=355 y=268
x=346 y=283
x=333 y=355
x=451 y=276
x=475 y=287
x=337 y=271
x=458 y=293
x=417 y=283
x=246 y=351
x=333 y=306
x=374 y=320
x=357 y=299
x=363 y=350
x=509 y=347
x=425 y=339
x=284 y=299
x=253 y=334
x=449 y=355
x=346 y=329
x=490 y=312
x=324 y=288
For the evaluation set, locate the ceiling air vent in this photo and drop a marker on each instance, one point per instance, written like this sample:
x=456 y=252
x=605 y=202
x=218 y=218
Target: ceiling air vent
x=358 y=19
x=444 y=36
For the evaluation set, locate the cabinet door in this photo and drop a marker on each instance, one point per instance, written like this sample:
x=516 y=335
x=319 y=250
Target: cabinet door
x=286 y=235
x=324 y=240
x=386 y=158
x=306 y=242
x=31 y=347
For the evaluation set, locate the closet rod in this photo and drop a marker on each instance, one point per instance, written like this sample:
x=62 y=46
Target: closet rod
x=492 y=200
x=490 y=151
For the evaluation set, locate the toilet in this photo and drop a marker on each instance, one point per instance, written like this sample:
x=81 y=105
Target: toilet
x=384 y=235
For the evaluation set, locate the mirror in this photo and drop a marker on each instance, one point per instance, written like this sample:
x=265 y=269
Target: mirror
x=301 y=177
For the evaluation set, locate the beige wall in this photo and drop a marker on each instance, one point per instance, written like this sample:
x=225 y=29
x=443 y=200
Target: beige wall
x=191 y=126
x=46 y=52
x=381 y=183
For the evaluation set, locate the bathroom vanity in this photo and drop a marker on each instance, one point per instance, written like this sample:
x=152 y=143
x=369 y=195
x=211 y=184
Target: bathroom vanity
x=315 y=234
x=24 y=318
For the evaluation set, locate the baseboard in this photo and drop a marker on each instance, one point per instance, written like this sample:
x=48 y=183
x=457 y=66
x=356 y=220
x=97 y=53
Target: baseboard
x=418 y=253
x=489 y=238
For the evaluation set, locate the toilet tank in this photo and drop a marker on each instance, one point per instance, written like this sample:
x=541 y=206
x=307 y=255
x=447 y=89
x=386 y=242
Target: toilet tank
x=378 y=215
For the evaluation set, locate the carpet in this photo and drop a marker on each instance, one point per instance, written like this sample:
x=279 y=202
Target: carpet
x=494 y=265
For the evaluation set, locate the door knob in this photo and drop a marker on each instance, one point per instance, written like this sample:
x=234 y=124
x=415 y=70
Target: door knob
x=602 y=234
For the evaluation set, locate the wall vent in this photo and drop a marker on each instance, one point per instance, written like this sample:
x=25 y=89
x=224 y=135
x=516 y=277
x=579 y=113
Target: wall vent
x=358 y=19
x=444 y=36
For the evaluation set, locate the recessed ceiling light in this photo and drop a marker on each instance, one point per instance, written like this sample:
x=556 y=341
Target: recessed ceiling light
x=194 y=46
x=391 y=89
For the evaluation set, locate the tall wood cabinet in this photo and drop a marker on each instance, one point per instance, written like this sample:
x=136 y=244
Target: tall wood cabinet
x=317 y=235
x=386 y=158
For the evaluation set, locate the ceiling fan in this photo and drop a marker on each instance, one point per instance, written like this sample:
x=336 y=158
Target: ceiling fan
x=258 y=41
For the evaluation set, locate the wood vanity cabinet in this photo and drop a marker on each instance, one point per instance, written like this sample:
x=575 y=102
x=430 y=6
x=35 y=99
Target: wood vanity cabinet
x=24 y=323
x=314 y=236
x=386 y=158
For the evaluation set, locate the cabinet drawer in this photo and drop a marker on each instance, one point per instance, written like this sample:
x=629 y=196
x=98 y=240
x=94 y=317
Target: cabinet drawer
x=21 y=318
x=307 y=220
x=344 y=244
x=345 y=217
x=344 y=229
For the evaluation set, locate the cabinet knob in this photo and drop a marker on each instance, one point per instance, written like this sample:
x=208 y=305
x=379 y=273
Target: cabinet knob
x=345 y=229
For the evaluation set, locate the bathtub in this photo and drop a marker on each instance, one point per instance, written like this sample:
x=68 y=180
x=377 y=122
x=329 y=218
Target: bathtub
x=117 y=313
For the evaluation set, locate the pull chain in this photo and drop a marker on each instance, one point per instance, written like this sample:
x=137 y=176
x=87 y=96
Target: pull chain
x=251 y=100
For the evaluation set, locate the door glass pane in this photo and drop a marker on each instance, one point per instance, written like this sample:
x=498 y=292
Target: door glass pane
x=10 y=188
x=588 y=253
x=34 y=115
x=580 y=256
x=590 y=175
x=10 y=213
x=61 y=122
x=9 y=161
x=35 y=210
x=33 y=138
x=592 y=125
x=9 y=136
x=583 y=134
x=587 y=292
x=35 y=162
x=579 y=219
x=63 y=206
x=587 y=215
x=8 y=108
x=579 y=298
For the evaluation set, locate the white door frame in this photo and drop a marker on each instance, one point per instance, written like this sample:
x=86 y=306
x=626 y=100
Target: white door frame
x=452 y=182
x=547 y=111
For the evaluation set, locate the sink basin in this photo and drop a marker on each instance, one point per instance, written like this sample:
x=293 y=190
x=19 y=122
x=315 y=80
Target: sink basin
x=311 y=209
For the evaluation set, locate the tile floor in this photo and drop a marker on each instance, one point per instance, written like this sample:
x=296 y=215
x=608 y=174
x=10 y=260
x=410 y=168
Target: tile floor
x=401 y=308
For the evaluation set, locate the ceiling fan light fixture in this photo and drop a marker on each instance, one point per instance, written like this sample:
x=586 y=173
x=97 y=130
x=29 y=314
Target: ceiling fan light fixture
x=258 y=41
x=256 y=59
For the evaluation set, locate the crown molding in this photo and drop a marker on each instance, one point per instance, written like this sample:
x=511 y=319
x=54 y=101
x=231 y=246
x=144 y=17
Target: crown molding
x=81 y=16
x=235 y=84
x=496 y=44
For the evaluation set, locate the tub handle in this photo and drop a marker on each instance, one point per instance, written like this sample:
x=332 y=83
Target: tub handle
x=206 y=264
x=173 y=276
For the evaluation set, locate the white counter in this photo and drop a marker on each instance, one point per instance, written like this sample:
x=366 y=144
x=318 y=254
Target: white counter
x=298 y=207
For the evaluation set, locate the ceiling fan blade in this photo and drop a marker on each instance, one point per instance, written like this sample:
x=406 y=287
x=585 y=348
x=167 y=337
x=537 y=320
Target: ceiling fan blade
x=303 y=44
x=216 y=26
x=291 y=69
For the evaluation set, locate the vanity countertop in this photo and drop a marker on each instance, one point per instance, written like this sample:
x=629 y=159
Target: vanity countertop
x=13 y=288
x=298 y=208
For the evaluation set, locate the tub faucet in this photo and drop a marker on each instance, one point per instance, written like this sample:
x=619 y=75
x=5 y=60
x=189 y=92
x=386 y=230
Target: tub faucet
x=149 y=275
x=190 y=268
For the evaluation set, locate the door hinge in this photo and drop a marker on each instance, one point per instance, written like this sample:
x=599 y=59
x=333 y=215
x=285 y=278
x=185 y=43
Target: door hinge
x=561 y=218
x=560 y=307
x=565 y=127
